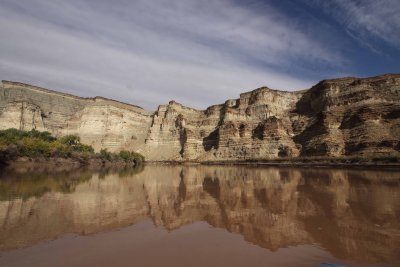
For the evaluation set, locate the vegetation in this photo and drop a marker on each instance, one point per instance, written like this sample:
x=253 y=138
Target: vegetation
x=16 y=143
x=123 y=154
x=131 y=155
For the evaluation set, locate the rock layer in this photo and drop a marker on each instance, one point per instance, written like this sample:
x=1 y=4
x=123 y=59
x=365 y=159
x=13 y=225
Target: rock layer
x=100 y=122
x=339 y=117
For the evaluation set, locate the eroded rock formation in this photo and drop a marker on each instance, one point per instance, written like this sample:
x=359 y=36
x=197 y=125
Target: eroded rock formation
x=340 y=117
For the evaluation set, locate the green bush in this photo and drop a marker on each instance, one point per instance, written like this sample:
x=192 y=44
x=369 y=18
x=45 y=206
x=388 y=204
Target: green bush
x=83 y=148
x=104 y=154
x=70 y=140
x=74 y=143
x=29 y=146
x=14 y=143
x=131 y=156
x=33 y=143
x=12 y=136
x=45 y=136
x=125 y=155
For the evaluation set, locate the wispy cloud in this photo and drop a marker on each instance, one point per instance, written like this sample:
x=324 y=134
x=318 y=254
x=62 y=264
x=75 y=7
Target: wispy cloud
x=148 y=52
x=366 y=19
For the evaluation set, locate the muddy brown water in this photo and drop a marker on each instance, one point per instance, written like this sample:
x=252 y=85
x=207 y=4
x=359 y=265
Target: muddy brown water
x=200 y=216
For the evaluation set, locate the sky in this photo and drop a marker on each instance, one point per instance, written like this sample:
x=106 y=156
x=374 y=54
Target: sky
x=198 y=53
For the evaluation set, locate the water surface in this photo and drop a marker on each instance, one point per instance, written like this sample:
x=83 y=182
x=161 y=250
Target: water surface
x=200 y=216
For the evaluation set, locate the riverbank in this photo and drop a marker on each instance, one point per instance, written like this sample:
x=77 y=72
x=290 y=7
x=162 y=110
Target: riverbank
x=59 y=163
x=63 y=164
x=35 y=150
x=386 y=162
x=39 y=149
x=363 y=165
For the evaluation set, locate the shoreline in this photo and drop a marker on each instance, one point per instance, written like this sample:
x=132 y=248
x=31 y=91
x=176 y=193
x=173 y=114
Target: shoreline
x=61 y=163
x=296 y=164
x=315 y=165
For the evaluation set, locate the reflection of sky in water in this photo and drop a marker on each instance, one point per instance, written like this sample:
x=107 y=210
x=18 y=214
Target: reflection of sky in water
x=334 y=214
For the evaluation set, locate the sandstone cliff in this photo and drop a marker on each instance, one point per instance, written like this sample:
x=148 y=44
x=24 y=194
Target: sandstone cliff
x=99 y=122
x=340 y=117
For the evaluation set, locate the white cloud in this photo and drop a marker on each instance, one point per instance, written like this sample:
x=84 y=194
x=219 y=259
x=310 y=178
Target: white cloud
x=366 y=19
x=148 y=52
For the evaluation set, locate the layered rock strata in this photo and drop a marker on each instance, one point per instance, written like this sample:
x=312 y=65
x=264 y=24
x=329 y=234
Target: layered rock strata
x=339 y=117
x=100 y=122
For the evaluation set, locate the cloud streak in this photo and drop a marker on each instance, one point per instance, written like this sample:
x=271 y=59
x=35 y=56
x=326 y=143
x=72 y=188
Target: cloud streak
x=366 y=19
x=149 y=52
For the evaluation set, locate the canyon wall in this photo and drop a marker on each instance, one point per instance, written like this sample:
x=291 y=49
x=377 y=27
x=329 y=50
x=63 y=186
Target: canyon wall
x=339 y=117
x=100 y=122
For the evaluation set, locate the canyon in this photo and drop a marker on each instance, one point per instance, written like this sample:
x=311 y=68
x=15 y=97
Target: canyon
x=354 y=117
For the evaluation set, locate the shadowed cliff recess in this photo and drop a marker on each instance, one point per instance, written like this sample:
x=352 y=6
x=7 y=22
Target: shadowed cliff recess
x=339 y=118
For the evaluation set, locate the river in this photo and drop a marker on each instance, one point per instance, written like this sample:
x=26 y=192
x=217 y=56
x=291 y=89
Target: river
x=200 y=216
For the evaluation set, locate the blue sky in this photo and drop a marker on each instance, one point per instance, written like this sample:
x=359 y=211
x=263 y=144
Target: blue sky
x=198 y=53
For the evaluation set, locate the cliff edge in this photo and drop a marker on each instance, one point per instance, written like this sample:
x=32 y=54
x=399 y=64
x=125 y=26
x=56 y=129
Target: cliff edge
x=335 y=118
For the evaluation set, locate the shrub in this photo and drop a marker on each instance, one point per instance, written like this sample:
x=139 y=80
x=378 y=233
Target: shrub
x=11 y=136
x=45 y=136
x=29 y=146
x=14 y=143
x=104 y=154
x=131 y=156
x=83 y=148
x=74 y=142
x=70 y=140
x=125 y=155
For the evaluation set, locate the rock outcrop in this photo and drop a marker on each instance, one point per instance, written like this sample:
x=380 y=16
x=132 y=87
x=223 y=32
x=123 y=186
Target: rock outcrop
x=339 y=117
x=99 y=122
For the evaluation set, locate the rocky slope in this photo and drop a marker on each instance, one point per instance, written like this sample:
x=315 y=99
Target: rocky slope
x=340 y=117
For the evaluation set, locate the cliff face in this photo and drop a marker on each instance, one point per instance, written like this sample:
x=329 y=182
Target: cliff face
x=100 y=122
x=347 y=116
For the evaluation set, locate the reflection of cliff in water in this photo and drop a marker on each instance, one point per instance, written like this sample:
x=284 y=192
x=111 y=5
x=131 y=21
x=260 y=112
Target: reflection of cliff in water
x=23 y=184
x=353 y=214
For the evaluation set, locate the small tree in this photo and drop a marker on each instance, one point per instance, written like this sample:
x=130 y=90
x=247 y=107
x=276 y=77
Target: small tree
x=70 y=140
x=104 y=154
x=132 y=156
